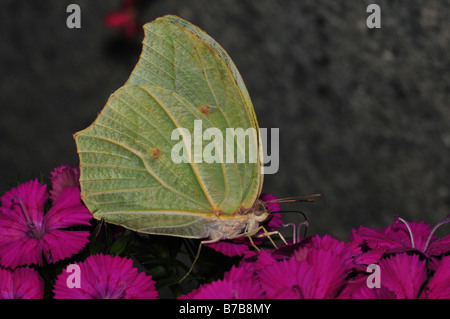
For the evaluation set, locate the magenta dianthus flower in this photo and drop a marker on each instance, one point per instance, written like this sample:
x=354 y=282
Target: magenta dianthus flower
x=27 y=232
x=21 y=283
x=369 y=245
x=106 y=277
x=402 y=277
x=403 y=274
x=62 y=177
x=316 y=270
x=239 y=283
x=357 y=288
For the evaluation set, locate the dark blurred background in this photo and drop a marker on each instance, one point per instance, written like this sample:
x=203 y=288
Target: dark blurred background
x=364 y=114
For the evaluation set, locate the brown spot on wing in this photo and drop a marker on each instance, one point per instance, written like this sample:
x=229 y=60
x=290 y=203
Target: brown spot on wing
x=205 y=109
x=155 y=152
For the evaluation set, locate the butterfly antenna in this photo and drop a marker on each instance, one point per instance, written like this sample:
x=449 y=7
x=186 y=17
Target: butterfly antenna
x=301 y=198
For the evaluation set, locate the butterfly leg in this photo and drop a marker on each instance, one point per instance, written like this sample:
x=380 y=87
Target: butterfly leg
x=251 y=241
x=203 y=242
x=276 y=232
x=249 y=236
x=269 y=234
x=266 y=233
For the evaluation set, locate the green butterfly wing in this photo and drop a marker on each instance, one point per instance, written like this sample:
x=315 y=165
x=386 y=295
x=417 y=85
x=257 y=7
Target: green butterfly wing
x=127 y=174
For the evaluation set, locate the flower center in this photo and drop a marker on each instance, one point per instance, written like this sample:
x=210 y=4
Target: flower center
x=119 y=293
x=298 y=291
x=409 y=230
x=33 y=231
x=447 y=220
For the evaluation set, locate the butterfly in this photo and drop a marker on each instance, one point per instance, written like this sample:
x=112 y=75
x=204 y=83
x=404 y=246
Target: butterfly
x=183 y=81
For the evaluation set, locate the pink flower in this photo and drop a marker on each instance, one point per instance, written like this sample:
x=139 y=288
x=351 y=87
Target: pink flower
x=301 y=249
x=403 y=274
x=26 y=232
x=356 y=288
x=285 y=279
x=329 y=243
x=315 y=271
x=106 y=277
x=238 y=283
x=369 y=245
x=375 y=293
x=401 y=277
x=232 y=247
x=242 y=246
x=125 y=19
x=61 y=177
x=21 y=283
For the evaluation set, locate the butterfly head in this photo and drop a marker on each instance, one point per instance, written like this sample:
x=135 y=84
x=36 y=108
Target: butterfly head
x=256 y=215
x=259 y=211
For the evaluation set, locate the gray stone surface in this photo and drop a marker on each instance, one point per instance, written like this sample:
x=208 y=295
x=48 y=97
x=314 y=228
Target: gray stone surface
x=364 y=115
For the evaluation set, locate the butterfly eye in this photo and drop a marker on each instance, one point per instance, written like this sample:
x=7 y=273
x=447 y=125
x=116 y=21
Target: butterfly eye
x=259 y=210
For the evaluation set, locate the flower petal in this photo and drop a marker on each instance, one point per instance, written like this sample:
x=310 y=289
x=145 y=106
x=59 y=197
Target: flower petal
x=403 y=274
x=21 y=252
x=371 y=257
x=61 y=177
x=60 y=244
x=438 y=246
x=22 y=283
x=67 y=211
x=33 y=195
x=106 y=277
x=373 y=238
x=439 y=285
x=227 y=289
x=397 y=238
x=230 y=248
x=357 y=288
x=238 y=283
x=16 y=247
x=330 y=271
x=286 y=279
